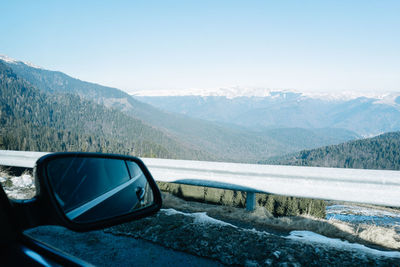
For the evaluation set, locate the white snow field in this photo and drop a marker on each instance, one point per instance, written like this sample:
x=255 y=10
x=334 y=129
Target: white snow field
x=365 y=215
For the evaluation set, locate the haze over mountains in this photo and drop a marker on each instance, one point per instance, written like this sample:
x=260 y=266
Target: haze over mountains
x=366 y=115
x=179 y=136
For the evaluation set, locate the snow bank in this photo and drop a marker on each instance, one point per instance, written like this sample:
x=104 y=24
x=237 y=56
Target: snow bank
x=364 y=215
x=363 y=211
x=199 y=217
x=18 y=187
x=24 y=180
x=307 y=236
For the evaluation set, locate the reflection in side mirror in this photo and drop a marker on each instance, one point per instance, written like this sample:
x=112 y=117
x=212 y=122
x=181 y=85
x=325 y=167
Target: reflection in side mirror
x=91 y=189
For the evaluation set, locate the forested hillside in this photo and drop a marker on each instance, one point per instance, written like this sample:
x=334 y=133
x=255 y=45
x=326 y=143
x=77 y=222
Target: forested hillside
x=54 y=112
x=34 y=120
x=221 y=142
x=380 y=152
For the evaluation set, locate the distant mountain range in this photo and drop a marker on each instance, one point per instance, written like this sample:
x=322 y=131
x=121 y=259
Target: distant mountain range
x=380 y=152
x=235 y=92
x=179 y=136
x=367 y=116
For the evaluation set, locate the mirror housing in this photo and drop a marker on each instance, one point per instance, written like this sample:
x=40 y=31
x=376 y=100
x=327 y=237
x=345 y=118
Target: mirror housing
x=87 y=191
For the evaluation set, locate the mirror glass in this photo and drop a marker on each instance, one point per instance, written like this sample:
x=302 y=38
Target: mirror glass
x=90 y=189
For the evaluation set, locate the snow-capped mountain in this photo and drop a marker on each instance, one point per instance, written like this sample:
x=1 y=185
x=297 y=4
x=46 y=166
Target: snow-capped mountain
x=367 y=114
x=234 y=92
x=256 y=109
x=200 y=138
x=14 y=61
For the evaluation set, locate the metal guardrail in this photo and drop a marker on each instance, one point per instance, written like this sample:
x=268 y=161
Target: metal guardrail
x=379 y=187
x=25 y=159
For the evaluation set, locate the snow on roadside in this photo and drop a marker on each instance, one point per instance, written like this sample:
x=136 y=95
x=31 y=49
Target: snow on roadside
x=18 y=187
x=311 y=237
x=365 y=215
x=199 y=217
x=175 y=228
x=363 y=211
x=24 y=180
x=305 y=236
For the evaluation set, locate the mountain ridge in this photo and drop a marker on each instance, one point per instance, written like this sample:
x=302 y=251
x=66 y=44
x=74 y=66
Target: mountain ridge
x=364 y=116
x=220 y=141
x=35 y=120
x=379 y=152
x=236 y=92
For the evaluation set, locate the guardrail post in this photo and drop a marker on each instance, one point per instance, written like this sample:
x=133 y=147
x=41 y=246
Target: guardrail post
x=250 y=201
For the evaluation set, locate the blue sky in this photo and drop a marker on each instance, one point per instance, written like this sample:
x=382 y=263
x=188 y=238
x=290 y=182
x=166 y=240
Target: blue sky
x=143 y=45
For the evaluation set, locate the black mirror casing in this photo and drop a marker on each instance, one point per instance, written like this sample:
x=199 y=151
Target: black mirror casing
x=46 y=207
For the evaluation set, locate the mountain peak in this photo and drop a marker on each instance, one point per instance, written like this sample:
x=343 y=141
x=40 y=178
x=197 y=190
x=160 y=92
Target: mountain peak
x=234 y=92
x=228 y=92
x=14 y=61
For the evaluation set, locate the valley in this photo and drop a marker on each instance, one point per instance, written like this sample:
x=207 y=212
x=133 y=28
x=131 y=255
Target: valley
x=173 y=135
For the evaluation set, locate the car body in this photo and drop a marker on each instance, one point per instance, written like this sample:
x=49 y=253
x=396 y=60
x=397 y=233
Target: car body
x=80 y=191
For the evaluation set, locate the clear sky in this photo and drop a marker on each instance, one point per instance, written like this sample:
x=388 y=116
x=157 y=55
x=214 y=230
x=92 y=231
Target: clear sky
x=140 y=45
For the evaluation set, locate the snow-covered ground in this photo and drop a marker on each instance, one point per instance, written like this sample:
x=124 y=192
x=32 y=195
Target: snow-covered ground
x=236 y=244
x=302 y=236
x=18 y=187
x=366 y=215
x=307 y=236
x=199 y=217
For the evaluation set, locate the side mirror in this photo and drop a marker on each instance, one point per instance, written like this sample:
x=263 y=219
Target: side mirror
x=85 y=191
